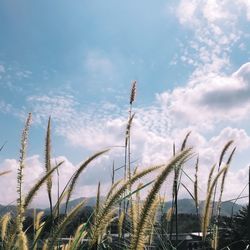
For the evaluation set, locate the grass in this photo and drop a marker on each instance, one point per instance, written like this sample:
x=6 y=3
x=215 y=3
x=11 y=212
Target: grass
x=136 y=219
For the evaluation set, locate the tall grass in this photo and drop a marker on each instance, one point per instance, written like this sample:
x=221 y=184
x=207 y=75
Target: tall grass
x=136 y=218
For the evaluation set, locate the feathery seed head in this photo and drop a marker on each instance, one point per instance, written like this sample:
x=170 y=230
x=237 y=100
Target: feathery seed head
x=133 y=92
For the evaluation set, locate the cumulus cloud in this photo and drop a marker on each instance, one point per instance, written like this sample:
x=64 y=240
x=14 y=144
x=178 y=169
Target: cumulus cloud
x=210 y=99
x=246 y=7
x=152 y=137
x=100 y=170
x=34 y=169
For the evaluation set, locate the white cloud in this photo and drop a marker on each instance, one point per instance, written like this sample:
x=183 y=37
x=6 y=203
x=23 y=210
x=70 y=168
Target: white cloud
x=209 y=99
x=98 y=64
x=23 y=74
x=155 y=149
x=239 y=136
x=2 y=69
x=214 y=10
x=5 y=107
x=153 y=133
x=34 y=169
x=201 y=105
x=186 y=11
x=60 y=107
x=9 y=182
x=215 y=28
x=246 y=7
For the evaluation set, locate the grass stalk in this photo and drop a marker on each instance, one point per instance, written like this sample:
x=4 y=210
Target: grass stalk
x=137 y=241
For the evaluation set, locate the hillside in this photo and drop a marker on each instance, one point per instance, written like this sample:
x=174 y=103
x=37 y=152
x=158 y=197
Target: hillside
x=185 y=206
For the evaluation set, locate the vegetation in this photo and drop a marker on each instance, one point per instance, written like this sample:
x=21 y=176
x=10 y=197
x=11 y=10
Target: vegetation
x=137 y=222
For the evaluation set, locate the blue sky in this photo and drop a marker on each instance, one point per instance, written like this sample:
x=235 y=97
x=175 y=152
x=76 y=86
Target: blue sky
x=75 y=60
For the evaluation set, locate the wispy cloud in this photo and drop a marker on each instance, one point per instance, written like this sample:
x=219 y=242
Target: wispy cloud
x=216 y=30
x=12 y=76
x=97 y=63
x=60 y=107
x=2 y=69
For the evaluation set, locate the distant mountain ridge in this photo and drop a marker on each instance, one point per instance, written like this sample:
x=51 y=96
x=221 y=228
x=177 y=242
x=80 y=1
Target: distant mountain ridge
x=185 y=206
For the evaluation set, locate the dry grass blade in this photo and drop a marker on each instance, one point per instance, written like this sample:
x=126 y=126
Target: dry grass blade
x=112 y=189
x=216 y=234
x=48 y=221
x=97 y=199
x=174 y=151
x=45 y=245
x=20 y=210
x=196 y=185
x=135 y=209
x=114 y=198
x=78 y=236
x=38 y=226
x=133 y=215
x=4 y=172
x=137 y=241
x=231 y=156
x=183 y=146
x=48 y=164
x=207 y=212
x=169 y=214
x=37 y=186
x=224 y=150
x=133 y=92
x=128 y=129
x=151 y=220
x=210 y=177
x=120 y=223
x=1 y=148
x=222 y=189
x=22 y=241
x=64 y=223
x=75 y=176
x=4 y=225
x=215 y=239
x=136 y=190
x=188 y=191
x=113 y=174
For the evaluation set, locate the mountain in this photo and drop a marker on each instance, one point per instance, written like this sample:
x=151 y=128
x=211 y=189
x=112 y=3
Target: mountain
x=89 y=202
x=185 y=206
x=12 y=209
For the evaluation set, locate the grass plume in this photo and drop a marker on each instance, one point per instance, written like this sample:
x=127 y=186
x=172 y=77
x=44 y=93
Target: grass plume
x=133 y=92
x=207 y=209
x=75 y=176
x=102 y=216
x=48 y=164
x=4 y=226
x=20 y=208
x=59 y=230
x=137 y=241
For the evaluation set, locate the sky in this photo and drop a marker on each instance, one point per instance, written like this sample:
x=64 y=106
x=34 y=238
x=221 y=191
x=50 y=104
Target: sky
x=75 y=61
